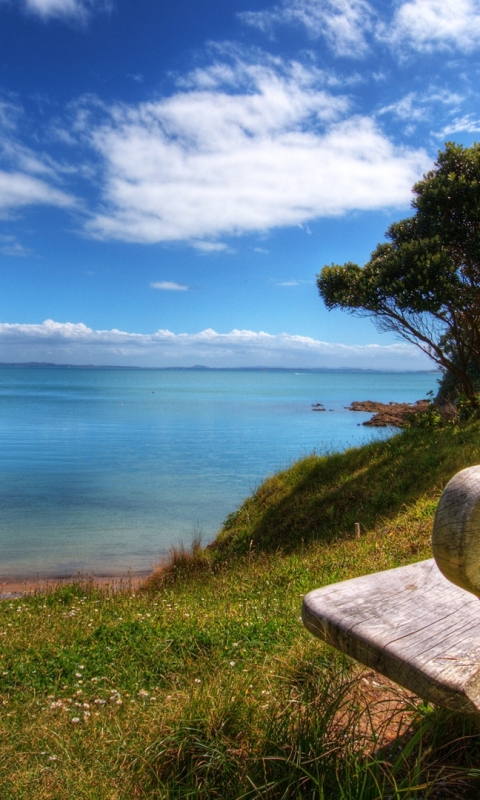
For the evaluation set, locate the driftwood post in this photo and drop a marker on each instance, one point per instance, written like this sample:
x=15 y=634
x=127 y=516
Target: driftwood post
x=419 y=625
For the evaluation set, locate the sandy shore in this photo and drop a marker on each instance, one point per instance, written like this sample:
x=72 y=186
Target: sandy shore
x=17 y=587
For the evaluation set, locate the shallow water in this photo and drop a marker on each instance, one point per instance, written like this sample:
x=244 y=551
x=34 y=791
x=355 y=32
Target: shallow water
x=101 y=470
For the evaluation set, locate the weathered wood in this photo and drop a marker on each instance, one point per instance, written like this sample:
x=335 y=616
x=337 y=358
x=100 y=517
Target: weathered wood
x=456 y=530
x=410 y=624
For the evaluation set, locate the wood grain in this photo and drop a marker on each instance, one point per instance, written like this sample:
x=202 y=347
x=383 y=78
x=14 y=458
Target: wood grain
x=456 y=530
x=410 y=624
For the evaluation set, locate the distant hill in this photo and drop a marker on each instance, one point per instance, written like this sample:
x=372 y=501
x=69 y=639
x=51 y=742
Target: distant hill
x=202 y=367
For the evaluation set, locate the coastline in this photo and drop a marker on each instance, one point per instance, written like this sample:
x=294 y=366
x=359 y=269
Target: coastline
x=11 y=588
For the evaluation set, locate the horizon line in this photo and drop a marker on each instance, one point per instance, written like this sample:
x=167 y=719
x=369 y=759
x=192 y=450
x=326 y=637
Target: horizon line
x=204 y=368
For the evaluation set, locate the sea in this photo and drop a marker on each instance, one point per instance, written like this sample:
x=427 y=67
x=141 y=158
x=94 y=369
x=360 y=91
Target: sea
x=103 y=470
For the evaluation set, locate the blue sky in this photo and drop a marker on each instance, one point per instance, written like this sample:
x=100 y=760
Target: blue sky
x=173 y=175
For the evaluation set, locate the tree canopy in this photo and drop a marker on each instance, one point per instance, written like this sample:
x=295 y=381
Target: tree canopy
x=423 y=283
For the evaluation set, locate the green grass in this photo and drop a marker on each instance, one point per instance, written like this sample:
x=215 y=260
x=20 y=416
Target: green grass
x=205 y=684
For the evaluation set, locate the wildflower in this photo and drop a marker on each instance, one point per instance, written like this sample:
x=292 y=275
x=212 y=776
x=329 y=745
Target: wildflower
x=142 y=693
x=75 y=720
x=232 y=663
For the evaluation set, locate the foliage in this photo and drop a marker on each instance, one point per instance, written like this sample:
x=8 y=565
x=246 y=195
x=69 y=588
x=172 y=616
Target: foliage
x=424 y=283
x=450 y=389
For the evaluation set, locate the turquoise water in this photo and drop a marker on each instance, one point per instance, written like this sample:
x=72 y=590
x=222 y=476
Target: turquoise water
x=101 y=470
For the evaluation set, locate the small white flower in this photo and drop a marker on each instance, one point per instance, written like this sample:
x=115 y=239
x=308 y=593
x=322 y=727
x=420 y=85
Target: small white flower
x=232 y=663
x=75 y=720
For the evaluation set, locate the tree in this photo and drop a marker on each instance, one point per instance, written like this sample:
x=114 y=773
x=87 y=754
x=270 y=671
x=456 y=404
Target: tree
x=424 y=282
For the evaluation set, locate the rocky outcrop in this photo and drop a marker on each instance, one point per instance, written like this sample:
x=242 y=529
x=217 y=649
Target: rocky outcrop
x=385 y=414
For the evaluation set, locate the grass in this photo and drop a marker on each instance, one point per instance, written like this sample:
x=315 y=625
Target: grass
x=205 y=684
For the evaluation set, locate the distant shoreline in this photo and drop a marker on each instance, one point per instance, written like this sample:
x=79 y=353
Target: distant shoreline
x=202 y=368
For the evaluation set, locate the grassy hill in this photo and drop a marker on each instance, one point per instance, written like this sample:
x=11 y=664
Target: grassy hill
x=204 y=684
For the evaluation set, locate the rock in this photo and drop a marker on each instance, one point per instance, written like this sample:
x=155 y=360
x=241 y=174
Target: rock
x=388 y=414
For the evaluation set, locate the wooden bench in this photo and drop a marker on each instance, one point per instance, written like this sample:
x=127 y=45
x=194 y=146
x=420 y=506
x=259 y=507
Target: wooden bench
x=418 y=625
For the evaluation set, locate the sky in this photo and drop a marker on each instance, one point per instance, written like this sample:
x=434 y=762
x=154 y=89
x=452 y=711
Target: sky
x=174 y=175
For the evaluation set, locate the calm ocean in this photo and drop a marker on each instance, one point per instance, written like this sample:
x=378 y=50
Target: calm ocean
x=101 y=470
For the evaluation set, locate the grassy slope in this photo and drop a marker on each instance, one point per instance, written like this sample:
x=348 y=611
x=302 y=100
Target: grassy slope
x=320 y=499
x=207 y=685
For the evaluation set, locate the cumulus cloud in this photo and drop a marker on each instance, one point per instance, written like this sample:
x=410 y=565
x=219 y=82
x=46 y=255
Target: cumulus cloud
x=242 y=148
x=343 y=23
x=170 y=286
x=427 y=25
x=66 y=9
x=75 y=343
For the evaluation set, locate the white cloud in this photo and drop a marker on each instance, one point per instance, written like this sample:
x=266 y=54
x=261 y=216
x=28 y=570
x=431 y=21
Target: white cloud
x=18 y=189
x=343 y=23
x=289 y=283
x=271 y=148
x=9 y=246
x=427 y=25
x=466 y=124
x=170 y=286
x=28 y=178
x=423 y=25
x=75 y=343
x=210 y=247
x=416 y=106
x=407 y=107
x=73 y=9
